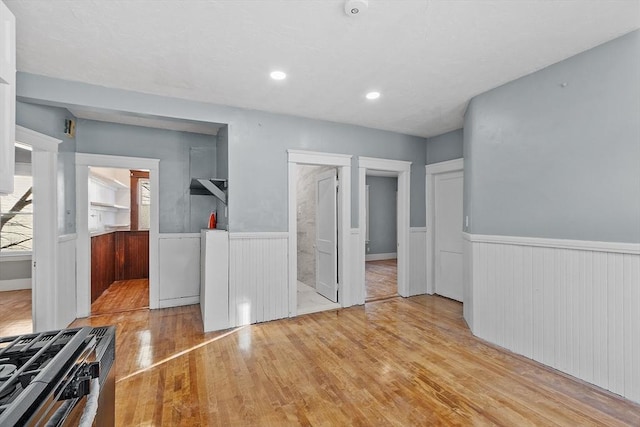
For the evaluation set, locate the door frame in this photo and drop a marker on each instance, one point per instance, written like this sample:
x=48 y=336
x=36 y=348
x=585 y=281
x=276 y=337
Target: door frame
x=431 y=171
x=343 y=163
x=83 y=264
x=403 y=169
x=44 y=283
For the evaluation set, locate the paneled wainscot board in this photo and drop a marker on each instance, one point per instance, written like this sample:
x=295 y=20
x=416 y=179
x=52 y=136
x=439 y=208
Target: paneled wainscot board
x=417 y=263
x=572 y=305
x=66 y=280
x=179 y=262
x=258 y=281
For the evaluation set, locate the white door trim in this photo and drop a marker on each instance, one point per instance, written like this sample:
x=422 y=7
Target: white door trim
x=403 y=170
x=431 y=171
x=343 y=164
x=83 y=265
x=44 y=167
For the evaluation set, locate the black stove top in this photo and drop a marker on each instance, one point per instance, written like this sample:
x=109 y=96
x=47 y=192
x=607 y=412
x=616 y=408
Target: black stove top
x=39 y=370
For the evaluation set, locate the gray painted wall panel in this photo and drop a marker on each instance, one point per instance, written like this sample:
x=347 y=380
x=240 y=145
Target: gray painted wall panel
x=447 y=146
x=382 y=215
x=222 y=160
x=258 y=144
x=557 y=153
x=172 y=148
x=10 y=270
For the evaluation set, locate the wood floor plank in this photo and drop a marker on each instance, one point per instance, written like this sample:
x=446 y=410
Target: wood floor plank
x=122 y=295
x=381 y=279
x=15 y=313
x=401 y=361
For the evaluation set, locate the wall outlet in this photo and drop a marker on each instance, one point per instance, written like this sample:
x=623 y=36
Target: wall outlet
x=466 y=221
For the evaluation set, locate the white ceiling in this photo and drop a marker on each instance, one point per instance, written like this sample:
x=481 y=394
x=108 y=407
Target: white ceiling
x=427 y=58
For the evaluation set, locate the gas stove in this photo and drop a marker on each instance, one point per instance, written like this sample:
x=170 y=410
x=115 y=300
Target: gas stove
x=58 y=378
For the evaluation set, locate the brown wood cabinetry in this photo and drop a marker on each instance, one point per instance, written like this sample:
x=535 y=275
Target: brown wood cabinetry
x=121 y=255
x=102 y=263
x=132 y=255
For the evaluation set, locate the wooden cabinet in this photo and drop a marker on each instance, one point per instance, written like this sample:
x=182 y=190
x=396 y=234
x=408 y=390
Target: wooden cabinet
x=120 y=255
x=7 y=98
x=102 y=263
x=132 y=255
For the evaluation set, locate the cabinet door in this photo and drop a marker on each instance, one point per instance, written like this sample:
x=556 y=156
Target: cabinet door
x=7 y=98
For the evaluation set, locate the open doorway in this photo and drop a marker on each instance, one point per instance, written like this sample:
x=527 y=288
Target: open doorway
x=401 y=171
x=316 y=217
x=342 y=163
x=16 y=244
x=381 y=257
x=119 y=217
x=85 y=244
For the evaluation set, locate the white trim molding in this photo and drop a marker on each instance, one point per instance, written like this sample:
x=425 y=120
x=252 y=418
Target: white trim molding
x=318 y=158
x=380 y=257
x=259 y=235
x=431 y=171
x=37 y=140
x=584 y=245
x=572 y=305
x=402 y=170
x=343 y=163
x=15 y=284
x=83 y=265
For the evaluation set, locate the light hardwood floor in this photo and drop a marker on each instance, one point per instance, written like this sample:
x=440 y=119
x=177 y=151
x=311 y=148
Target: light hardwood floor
x=397 y=362
x=381 y=278
x=123 y=295
x=15 y=313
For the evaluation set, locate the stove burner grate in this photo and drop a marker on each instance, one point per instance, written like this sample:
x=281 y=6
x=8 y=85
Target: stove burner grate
x=6 y=372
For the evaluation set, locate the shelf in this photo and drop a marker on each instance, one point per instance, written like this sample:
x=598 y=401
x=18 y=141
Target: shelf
x=209 y=187
x=109 y=182
x=109 y=206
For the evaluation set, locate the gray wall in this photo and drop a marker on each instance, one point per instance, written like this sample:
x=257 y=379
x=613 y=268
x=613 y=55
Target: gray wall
x=10 y=270
x=258 y=144
x=173 y=148
x=447 y=146
x=222 y=167
x=50 y=121
x=557 y=153
x=382 y=215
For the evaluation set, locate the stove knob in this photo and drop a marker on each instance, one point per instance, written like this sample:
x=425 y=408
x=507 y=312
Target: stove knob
x=84 y=386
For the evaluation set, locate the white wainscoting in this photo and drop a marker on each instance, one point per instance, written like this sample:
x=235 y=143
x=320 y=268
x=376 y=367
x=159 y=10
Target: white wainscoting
x=357 y=285
x=417 y=261
x=66 y=281
x=258 y=277
x=574 y=306
x=179 y=259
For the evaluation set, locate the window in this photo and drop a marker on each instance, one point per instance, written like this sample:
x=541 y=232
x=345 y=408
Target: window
x=16 y=215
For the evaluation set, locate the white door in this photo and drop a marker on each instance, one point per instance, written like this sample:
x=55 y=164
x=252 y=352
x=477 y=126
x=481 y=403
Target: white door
x=448 y=234
x=326 y=236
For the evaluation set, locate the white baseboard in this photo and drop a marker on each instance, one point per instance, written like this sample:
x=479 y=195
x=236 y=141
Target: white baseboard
x=380 y=257
x=176 y=302
x=15 y=284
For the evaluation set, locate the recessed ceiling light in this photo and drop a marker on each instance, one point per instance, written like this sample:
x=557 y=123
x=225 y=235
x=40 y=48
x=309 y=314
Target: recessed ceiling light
x=278 y=75
x=373 y=95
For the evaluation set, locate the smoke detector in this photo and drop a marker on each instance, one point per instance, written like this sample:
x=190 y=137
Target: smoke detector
x=355 y=7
